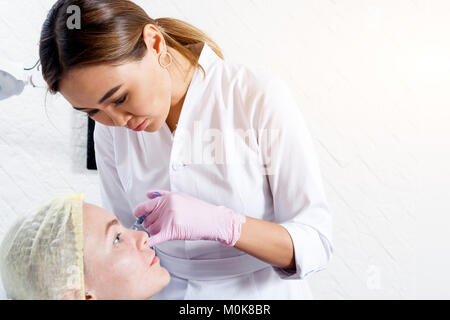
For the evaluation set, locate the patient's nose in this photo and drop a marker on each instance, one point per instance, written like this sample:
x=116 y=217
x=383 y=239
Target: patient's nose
x=142 y=240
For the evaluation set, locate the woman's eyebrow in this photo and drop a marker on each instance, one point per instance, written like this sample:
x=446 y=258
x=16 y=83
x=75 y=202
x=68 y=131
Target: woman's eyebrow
x=109 y=93
x=109 y=224
x=105 y=97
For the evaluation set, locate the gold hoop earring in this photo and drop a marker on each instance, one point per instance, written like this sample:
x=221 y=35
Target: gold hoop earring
x=167 y=65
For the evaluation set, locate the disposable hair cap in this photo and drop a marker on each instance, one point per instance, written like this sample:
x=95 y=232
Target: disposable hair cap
x=41 y=255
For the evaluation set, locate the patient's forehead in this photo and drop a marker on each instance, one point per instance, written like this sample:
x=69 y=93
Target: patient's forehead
x=95 y=216
x=95 y=220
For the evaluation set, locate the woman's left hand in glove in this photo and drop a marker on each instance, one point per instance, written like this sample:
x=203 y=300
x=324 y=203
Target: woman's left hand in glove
x=178 y=216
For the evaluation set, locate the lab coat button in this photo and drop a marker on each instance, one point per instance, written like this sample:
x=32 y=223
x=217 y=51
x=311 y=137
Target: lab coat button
x=177 y=166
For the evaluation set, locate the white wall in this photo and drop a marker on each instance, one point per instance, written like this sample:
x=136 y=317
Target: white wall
x=366 y=74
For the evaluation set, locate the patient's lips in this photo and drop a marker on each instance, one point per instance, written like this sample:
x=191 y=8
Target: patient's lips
x=154 y=261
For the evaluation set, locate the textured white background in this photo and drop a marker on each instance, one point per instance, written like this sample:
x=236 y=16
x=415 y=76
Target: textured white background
x=372 y=80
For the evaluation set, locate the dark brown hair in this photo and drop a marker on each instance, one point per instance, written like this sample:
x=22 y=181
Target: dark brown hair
x=110 y=33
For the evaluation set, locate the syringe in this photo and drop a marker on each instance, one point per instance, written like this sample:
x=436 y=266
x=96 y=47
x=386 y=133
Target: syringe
x=138 y=224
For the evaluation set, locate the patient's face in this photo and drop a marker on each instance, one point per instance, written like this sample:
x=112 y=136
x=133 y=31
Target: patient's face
x=118 y=259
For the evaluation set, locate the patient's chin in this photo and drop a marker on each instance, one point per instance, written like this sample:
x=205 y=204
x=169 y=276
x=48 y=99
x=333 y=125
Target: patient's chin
x=163 y=280
x=166 y=276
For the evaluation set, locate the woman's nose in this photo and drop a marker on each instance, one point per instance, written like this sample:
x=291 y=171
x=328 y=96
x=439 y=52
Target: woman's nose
x=119 y=118
x=142 y=240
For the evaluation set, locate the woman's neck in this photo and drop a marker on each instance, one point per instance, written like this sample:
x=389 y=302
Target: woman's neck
x=181 y=73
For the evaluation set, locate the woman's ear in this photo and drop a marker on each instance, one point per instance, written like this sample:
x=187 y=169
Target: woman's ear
x=75 y=294
x=89 y=295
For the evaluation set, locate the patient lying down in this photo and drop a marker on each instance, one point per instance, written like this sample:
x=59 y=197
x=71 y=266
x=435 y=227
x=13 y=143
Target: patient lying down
x=69 y=249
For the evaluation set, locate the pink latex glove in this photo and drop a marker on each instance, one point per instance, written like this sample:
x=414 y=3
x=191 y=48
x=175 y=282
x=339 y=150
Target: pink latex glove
x=178 y=216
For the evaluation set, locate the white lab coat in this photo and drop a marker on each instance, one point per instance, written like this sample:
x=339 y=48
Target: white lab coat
x=279 y=181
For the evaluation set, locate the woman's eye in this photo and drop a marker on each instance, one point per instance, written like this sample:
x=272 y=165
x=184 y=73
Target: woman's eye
x=121 y=100
x=92 y=113
x=117 y=238
x=117 y=102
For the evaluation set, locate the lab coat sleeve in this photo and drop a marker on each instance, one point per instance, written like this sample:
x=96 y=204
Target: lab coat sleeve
x=291 y=167
x=112 y=193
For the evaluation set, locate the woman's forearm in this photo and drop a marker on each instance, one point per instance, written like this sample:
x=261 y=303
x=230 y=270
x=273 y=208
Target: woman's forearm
x=267 y=241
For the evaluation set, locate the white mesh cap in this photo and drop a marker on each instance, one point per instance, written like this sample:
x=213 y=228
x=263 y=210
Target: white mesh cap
x=41 y=255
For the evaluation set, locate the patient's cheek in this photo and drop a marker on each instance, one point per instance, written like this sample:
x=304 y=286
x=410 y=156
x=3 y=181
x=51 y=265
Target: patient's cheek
x=116 y=275
x=122 y=266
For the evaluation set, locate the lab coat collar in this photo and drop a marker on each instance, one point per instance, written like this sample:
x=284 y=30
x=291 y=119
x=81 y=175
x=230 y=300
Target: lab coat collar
x=208 y=58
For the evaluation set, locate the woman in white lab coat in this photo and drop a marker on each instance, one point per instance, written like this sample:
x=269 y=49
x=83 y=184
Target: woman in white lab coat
x=242 y=212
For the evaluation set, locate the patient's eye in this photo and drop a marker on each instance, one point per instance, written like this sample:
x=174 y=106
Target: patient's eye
x=117 y=238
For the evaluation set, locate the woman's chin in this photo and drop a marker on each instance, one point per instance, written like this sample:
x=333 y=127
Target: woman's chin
x=153 y=126
x=164 y=276
x=163 y=279
x=167 y=275
x=149 y=128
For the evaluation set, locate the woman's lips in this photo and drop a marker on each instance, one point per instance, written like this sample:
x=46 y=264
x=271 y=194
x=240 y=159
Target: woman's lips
x=142 y=126
x=154 y=261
